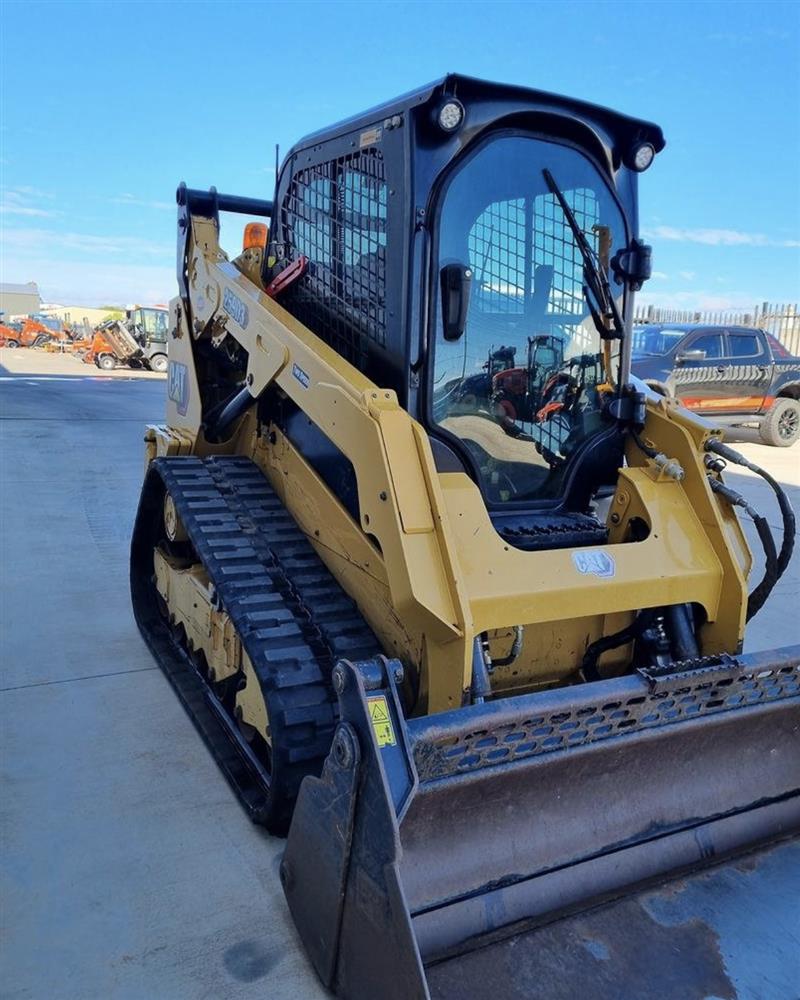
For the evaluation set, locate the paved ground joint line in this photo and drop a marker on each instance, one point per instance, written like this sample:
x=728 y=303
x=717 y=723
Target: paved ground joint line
x=70 y=680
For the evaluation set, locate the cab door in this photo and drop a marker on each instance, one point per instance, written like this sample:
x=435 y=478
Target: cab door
x=749 y=371
x=701 y=370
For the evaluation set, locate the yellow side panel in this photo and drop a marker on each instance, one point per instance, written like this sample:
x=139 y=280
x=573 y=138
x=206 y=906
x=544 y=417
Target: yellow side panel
x=404 y=466
x=509 y=587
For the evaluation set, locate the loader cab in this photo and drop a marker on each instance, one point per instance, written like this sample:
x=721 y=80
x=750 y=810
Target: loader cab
x=149 y=324
x=432 y=236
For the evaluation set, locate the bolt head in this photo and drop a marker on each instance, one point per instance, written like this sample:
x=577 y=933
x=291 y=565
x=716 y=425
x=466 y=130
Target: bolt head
x=339 y=679
x=342 y=750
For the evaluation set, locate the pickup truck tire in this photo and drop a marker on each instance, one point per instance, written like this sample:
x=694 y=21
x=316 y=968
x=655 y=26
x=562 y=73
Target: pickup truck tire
x=781 y=425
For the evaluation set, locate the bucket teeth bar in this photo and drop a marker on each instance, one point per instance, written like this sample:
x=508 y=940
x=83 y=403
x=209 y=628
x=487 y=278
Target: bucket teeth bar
x=426 y=838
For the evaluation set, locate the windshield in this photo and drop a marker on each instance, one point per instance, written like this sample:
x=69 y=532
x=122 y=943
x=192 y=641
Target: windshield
x=519 y=387
x=650 y=341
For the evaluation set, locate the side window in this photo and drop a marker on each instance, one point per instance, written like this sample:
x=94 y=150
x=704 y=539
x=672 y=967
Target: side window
x=155 y=324
x=711 y=343
x=743 y=345
x=335 y=213
x=314 y=218
x=364 y=217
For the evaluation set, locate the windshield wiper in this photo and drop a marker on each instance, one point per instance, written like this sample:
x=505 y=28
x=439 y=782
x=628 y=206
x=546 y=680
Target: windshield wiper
x=603 y=309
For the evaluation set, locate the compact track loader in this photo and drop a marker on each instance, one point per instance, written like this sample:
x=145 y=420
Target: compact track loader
x=486 y=662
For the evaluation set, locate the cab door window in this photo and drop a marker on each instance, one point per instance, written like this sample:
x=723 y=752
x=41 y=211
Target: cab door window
x=519 y=389
x=711 y=343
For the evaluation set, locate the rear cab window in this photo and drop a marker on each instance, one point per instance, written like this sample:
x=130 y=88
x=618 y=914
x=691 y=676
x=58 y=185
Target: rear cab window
x=743 y=344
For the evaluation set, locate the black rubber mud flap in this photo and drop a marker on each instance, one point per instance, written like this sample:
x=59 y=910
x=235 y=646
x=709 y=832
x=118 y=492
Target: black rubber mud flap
x=446 y=844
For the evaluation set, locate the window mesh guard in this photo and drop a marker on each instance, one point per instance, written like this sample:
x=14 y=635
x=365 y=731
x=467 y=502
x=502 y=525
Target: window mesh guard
x=335 y=214
x=527 y=264
x=522 y=249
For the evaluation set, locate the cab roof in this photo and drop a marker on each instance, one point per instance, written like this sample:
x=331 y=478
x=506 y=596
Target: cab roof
x=624 y=129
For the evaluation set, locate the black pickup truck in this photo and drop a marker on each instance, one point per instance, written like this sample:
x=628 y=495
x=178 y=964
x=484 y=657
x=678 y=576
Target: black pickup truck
x=736 y=375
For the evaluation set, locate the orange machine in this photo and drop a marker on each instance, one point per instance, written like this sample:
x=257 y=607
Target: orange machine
x=9 y=336
x=80 y=339
x=98 y=349
x=31 y=333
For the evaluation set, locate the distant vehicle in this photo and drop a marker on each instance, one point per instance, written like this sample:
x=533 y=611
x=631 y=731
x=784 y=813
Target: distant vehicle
x=32 y=331
x=92 y=349
x=9 y=334
x=149 y=326
x=737 y=375
x=138 y=341
x=113 y=344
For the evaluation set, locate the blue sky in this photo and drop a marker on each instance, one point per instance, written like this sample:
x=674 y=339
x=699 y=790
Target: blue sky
x=105 y=107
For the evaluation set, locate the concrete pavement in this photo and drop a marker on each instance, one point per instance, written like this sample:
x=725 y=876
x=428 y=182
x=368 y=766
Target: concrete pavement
x=22 y=360
x=130 y=872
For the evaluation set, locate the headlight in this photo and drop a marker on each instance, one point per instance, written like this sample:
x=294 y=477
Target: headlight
x=642 y=156
x=451 y=114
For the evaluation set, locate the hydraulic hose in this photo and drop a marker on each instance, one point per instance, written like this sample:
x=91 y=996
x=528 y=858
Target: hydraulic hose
x=668 y=466
x=650 y=452
x=516 y=649
x=221 y=417
x=680 y=628
x=776 y=562
x=481 y=687
x=596 y=649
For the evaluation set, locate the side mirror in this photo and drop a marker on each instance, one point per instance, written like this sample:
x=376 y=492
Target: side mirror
x=456 y=280
x=690 y=356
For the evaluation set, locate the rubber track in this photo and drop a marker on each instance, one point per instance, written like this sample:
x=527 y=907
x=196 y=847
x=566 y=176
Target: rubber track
x=291 y=615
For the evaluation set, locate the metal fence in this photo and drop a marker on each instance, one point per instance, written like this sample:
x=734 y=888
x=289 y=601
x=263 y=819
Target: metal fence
x=782 y=321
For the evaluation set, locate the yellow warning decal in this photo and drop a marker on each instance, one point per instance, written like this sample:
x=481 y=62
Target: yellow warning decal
x=381 y=721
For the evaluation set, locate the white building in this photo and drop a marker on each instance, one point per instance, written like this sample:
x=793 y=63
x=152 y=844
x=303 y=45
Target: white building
x=19 y=300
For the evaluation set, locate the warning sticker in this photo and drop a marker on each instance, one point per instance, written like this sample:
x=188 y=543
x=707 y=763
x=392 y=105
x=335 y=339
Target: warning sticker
x=370 y=137
x=381 y=721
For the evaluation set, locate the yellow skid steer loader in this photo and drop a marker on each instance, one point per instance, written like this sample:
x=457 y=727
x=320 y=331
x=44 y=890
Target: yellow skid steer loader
x=474 y=631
